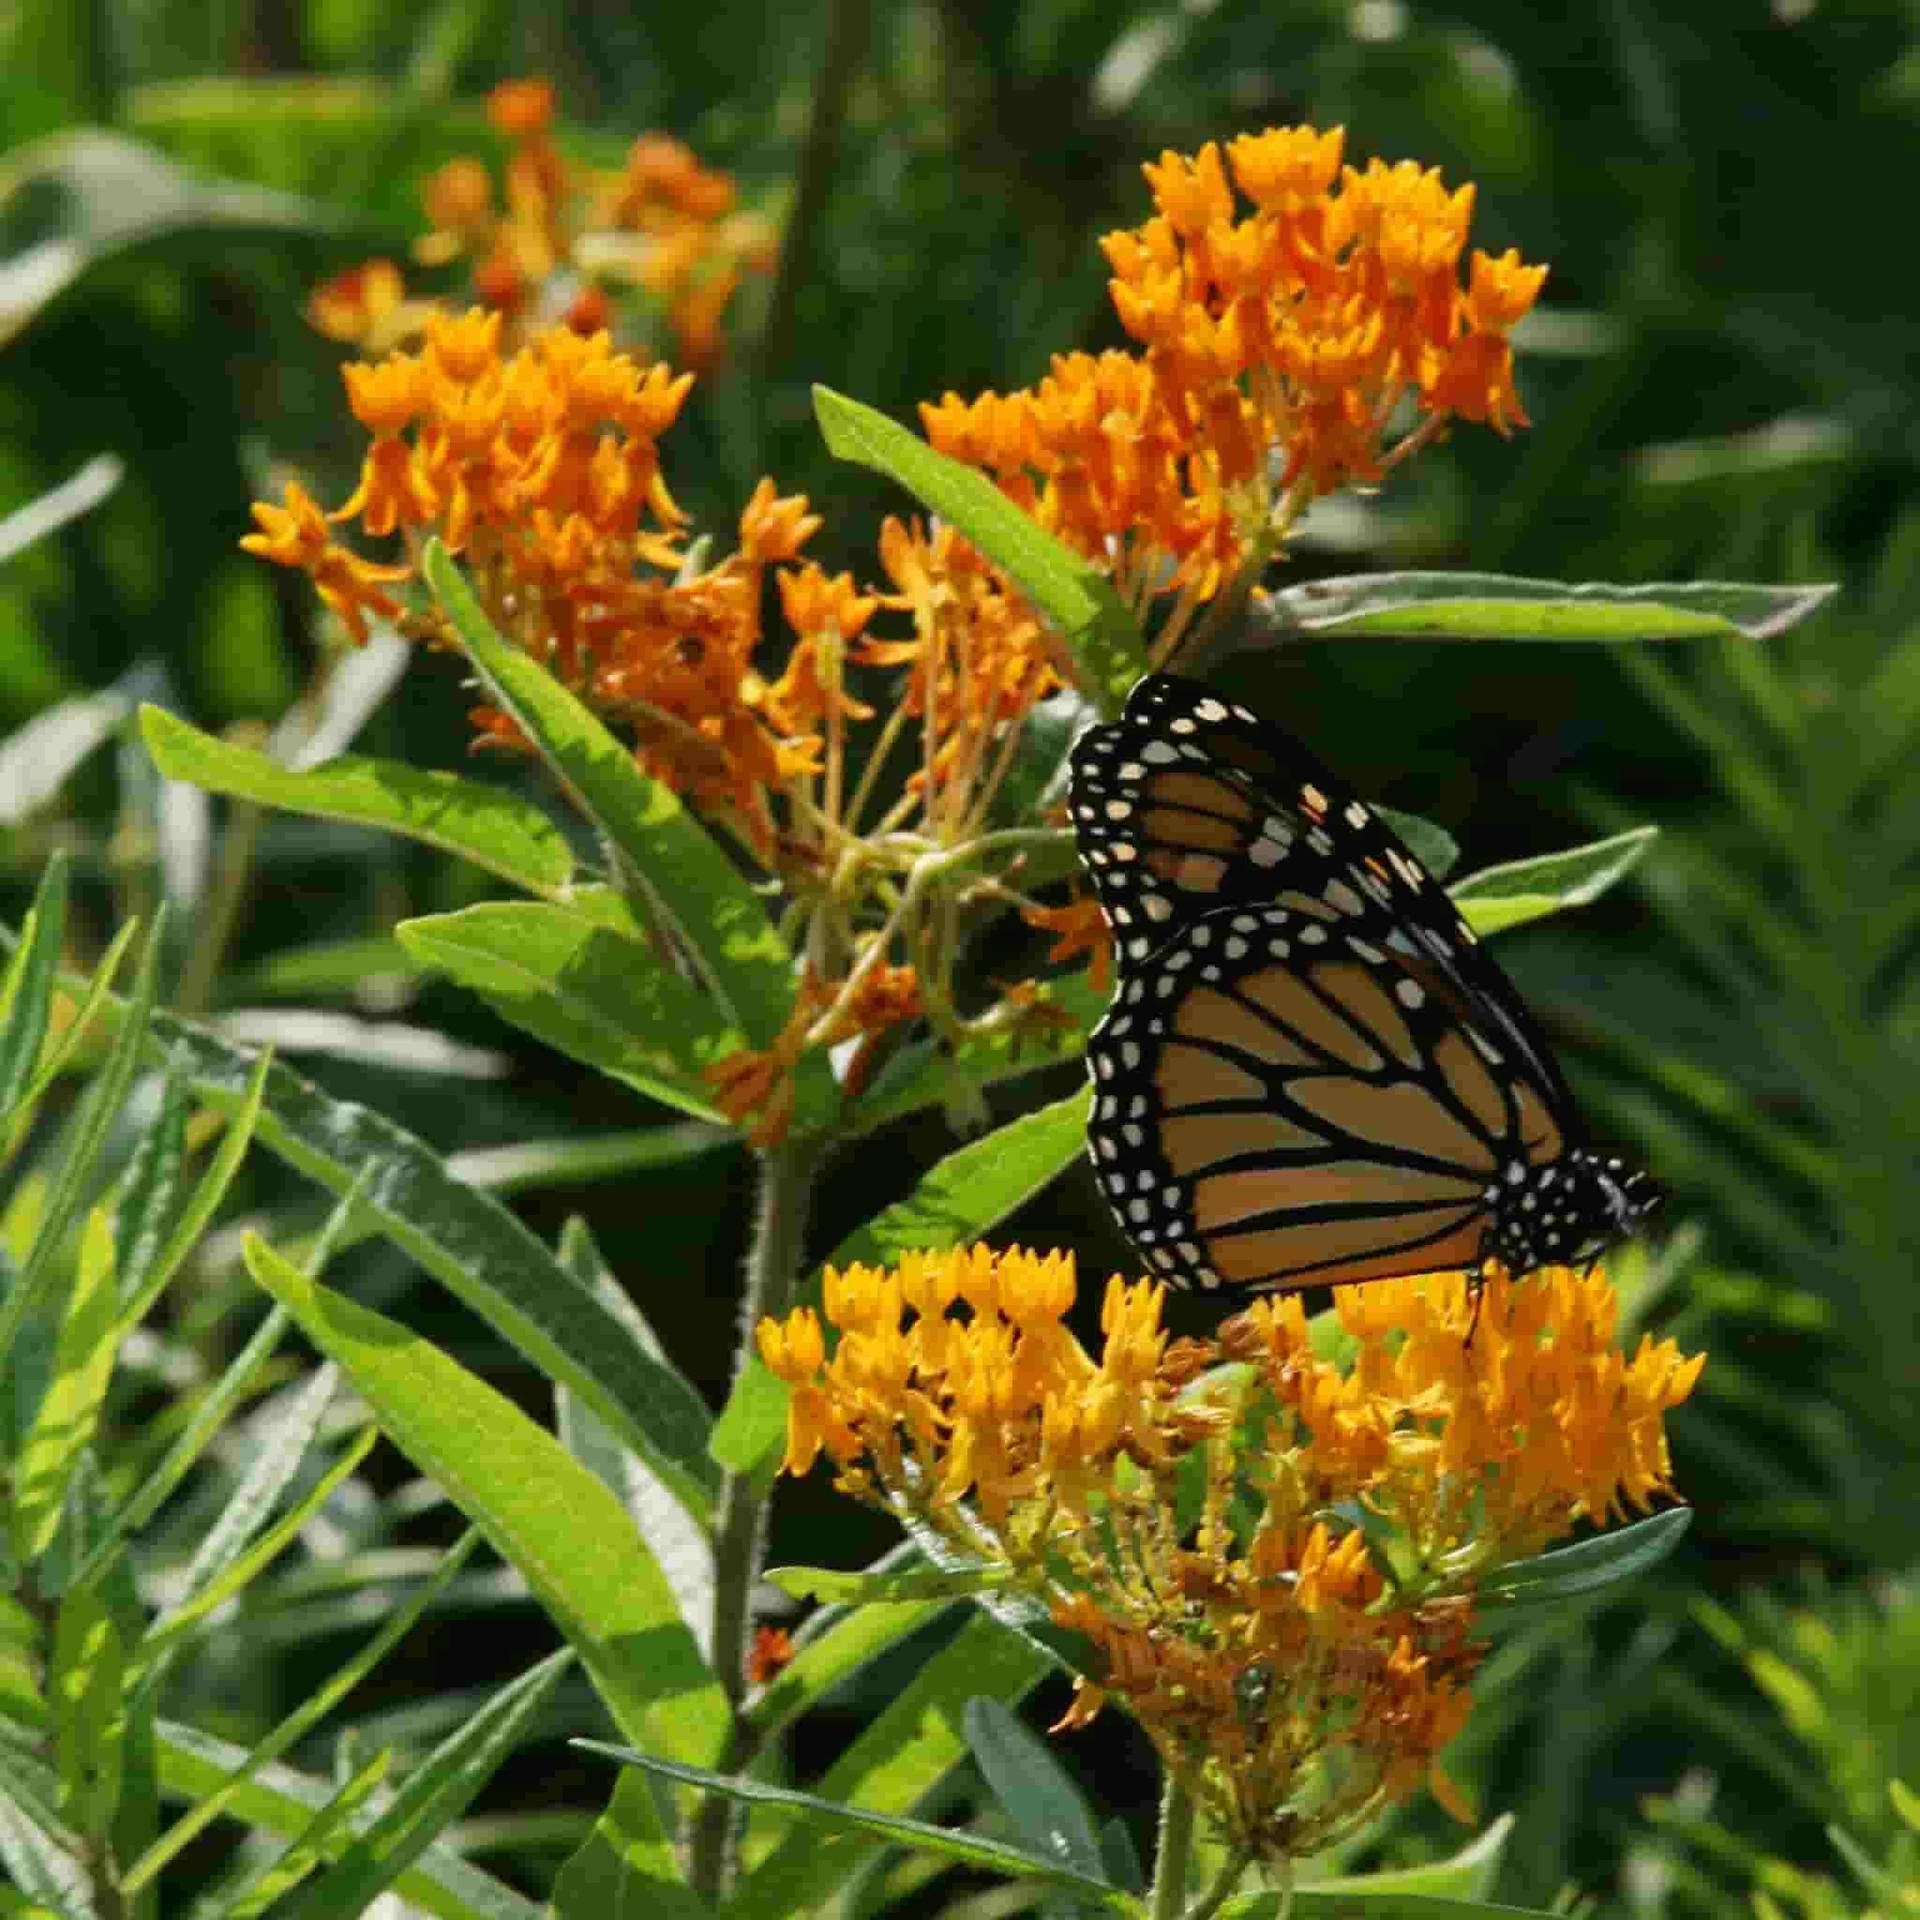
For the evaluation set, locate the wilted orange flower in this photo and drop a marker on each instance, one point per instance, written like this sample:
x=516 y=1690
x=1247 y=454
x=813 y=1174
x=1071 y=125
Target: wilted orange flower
x=1198 y=1528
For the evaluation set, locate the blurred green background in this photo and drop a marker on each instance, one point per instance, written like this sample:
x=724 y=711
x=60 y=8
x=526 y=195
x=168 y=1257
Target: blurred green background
x=1723 y=384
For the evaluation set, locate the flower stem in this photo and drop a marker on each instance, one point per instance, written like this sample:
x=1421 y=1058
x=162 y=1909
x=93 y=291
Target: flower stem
x=740 y=1514
x=1172 y=1849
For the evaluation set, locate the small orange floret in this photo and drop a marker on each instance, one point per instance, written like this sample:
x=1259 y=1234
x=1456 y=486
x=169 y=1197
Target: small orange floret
x=352 y=305
x=521 y=107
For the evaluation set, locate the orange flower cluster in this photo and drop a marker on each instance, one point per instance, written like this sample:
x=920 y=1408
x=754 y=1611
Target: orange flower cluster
x=1299 y=331
x=555 y=237
x=1198 y=1531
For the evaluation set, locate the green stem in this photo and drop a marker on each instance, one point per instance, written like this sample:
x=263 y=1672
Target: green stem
x=740 y=1514
x=1172 y=1848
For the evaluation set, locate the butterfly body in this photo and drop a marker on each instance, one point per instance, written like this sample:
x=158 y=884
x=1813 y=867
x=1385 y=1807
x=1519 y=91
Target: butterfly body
x=1311 y=1071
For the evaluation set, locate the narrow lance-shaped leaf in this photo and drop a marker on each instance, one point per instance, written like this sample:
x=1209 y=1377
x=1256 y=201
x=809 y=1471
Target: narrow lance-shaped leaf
x=1575 y=1572
x=495 y=829
x=1493 y=606
x=1036 y=1793
x=608 y=1002
x=280 y=1801
x=541 y=1509
x=321 y=1836
x=69 y=1411
x=903 y=1756
x=86 y=1133
x=84 y=1691
x=26 y=995
x=1074 y=596
x=713 y=911
x=474 y=1246
x=314 y=1708
x=435 y=1794
x=1517 y=891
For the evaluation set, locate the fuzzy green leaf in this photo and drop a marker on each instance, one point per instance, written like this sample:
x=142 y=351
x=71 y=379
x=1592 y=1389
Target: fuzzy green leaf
x=1035 y=1792
x=626 y=1868
x=903 y=1756
x=281 y=1801
x=829 y=1584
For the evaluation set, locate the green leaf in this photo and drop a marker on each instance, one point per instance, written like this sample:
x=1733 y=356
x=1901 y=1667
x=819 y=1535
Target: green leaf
x=1075 y=597
x=829 y=1584
x=905 y=1754
x=1467 y=1875
x=714 y=913
x=1569 y=1573
x=209 y=1416
x=469 y=1242
x=243 y=1568
x=321 y=969
x=1432 y=845
x=320 y=1837
x=541 y=1509
x=1311 y=1903
x=69 y=1412
x=974 y=1188
x=110 y=194
x=838 y=1642
x=282 y=1435
x=1493 y=606
x=680 y=1543
x=99 y=1106
x=436 y=1793
x=26 y=995
x=626 y=1869
x=1517 y=891
x=198 y=1213
x=281 y=1801
x=606 y=1001
x=803 y=1871
x=495 y=829
x=314 y=1708
x=1035 y=1792
x=87 y=1702
x=67 y=1047
x=569 y=1162
x=41 y=1854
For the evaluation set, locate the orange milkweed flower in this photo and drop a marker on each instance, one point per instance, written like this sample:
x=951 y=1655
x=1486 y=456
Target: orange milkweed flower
x=1195 y=1527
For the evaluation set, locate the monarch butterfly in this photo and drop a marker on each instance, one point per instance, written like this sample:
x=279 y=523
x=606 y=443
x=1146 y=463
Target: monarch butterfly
x=1311 y=1071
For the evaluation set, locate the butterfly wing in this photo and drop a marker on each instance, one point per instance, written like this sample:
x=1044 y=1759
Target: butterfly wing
x=1311 y=1071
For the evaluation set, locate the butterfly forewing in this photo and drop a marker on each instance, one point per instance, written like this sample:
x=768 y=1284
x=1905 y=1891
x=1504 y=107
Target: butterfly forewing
x=1311 y=1071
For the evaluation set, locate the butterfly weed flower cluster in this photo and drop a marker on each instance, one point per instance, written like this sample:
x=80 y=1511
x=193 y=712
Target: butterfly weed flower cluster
x=660 y=238
x=1278 y=352
x=1273 y=1557
x=1311 y=345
